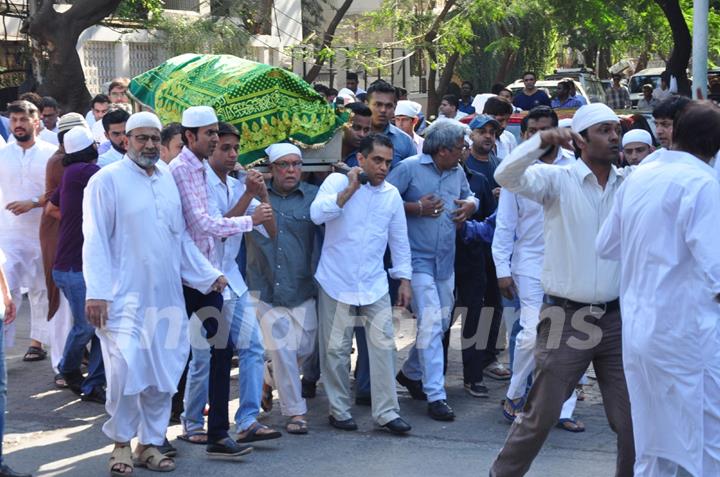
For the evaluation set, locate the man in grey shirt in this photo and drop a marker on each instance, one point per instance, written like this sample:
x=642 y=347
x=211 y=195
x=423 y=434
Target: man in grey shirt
x=437 y=197
x=280 y=268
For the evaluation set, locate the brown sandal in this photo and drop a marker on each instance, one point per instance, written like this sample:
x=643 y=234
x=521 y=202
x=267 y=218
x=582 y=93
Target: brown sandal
x=152 y=459
x=121 y=456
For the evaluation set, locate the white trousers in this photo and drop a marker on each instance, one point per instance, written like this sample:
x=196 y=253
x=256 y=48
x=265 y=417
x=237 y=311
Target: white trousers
x=289 y=335
x=144 y=415
x=39 y=325
x=530 y=293
x=60 y=326
x=432 y=301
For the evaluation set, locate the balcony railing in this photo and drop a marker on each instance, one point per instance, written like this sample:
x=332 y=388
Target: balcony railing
x=185 y=5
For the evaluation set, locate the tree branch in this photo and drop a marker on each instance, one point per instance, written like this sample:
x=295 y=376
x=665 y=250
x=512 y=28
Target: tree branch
x=86 y=13
x=328 y=37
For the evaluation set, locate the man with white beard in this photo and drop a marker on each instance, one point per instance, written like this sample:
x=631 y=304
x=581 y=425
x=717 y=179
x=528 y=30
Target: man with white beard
x=136 y=256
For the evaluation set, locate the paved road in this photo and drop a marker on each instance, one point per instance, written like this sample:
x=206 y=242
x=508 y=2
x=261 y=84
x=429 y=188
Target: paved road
x=52 y=433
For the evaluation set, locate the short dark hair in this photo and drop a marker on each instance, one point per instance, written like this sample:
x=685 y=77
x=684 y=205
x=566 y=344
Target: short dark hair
x=32 y=97
x=84 y=155
x=332 y=92
x=400 y=91
x=184 y=129
x=451 y=99
x=381 y=86
x=360 y=109
x=99 y=98
x=670 y=108
x=168 y=132
x=368 y=143
x=119 y=82
x=227 y=129
x=529 y=73
x=23 y=106
x=496 y=105
x=496 y=88
x=696 y=129
x=116 y=116
x=466 y=82
x=539 y=112
x=49 y=102
x=321 y=88
x=351 y=76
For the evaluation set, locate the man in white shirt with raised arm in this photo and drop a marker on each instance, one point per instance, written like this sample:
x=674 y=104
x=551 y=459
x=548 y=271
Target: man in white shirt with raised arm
x=361 y=221
x=580 y=320
x=663 y=228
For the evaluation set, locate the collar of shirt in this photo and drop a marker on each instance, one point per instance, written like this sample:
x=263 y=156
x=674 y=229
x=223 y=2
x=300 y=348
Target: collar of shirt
x=686 y=158
x=582 y=171
x=189 y=158
x=215 y=181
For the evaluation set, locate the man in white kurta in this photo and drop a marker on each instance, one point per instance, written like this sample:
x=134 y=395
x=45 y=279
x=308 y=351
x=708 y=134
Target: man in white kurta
x=22 y=189
x=136 y=256
x=664 y=229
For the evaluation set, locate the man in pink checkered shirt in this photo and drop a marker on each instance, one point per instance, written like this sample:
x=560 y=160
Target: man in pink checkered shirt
x=200 y=137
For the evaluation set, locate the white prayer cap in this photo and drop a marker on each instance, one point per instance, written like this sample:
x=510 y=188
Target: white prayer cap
x=143 y=119
x=77 y=139
x=347 y=95
x=637 y=135
x=407 y=108
x=282 y=149
x=70 y=120
x=565 y=123
x=592 y=114
x=198 y=116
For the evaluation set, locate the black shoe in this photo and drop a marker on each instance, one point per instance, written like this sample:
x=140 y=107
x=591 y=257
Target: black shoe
x=74 y=381
x=167 y=449
x=477 y=390
x=175 y=417
x=6 y=471
x=363 y=400
x=346 y=425
x=397 y=426
x=96 y=395
x=440 y=411
x=309 y=389
x=227 y=449
x=415 y=387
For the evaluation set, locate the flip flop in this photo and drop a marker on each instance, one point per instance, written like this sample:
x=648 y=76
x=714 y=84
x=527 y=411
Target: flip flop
x=34 y=353
x=251 y=434
x=561 y=425
x=296 y=426
x=60 y=381
x=514 y=407
x=187 y=437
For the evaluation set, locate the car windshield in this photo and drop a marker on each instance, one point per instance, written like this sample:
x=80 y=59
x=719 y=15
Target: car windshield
x=637 y=82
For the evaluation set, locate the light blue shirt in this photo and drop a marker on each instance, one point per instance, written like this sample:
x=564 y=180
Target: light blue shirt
x=403 y=145
x=432 y=239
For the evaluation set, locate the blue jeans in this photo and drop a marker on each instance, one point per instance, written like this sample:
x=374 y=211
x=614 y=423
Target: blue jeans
x=245 y=332
x=3 y=377
x=72 y=285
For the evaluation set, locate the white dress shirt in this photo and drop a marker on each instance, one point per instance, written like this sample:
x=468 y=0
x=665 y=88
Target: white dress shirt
x=518 y=245
x=505 y=144
x=356 y=236
x=221 y=198
x=108 y=157
x=664 y=228
x=575 y=207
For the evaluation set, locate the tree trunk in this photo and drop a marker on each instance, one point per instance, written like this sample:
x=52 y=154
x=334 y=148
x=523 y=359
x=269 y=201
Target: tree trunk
x=431 y=48
x=682 y=44
x=505 y=66
x=435 y=94
x=57 y=34
x=327 y=41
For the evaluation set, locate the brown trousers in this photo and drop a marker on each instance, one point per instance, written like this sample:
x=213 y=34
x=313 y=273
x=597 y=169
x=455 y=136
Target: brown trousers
x=568 y=340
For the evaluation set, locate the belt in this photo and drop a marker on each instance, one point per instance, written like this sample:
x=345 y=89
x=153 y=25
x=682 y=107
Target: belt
x=600 y=308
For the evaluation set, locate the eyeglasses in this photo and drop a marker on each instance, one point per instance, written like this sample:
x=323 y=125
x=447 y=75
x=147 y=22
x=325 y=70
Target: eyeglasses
x=118 y=94
x=287 y=165
x=141 y=138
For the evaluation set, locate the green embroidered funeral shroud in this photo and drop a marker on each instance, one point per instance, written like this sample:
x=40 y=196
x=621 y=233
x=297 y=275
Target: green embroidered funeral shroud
x=267 y=104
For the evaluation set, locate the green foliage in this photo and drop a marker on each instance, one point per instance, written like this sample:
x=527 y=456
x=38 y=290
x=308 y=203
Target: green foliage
x=204 y=35
x=144 y=11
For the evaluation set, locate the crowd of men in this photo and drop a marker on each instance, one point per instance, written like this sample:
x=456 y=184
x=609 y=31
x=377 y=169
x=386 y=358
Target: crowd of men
x=151 y=260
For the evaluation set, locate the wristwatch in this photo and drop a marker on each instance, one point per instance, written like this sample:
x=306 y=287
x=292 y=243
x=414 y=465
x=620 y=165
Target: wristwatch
x=35 y=201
